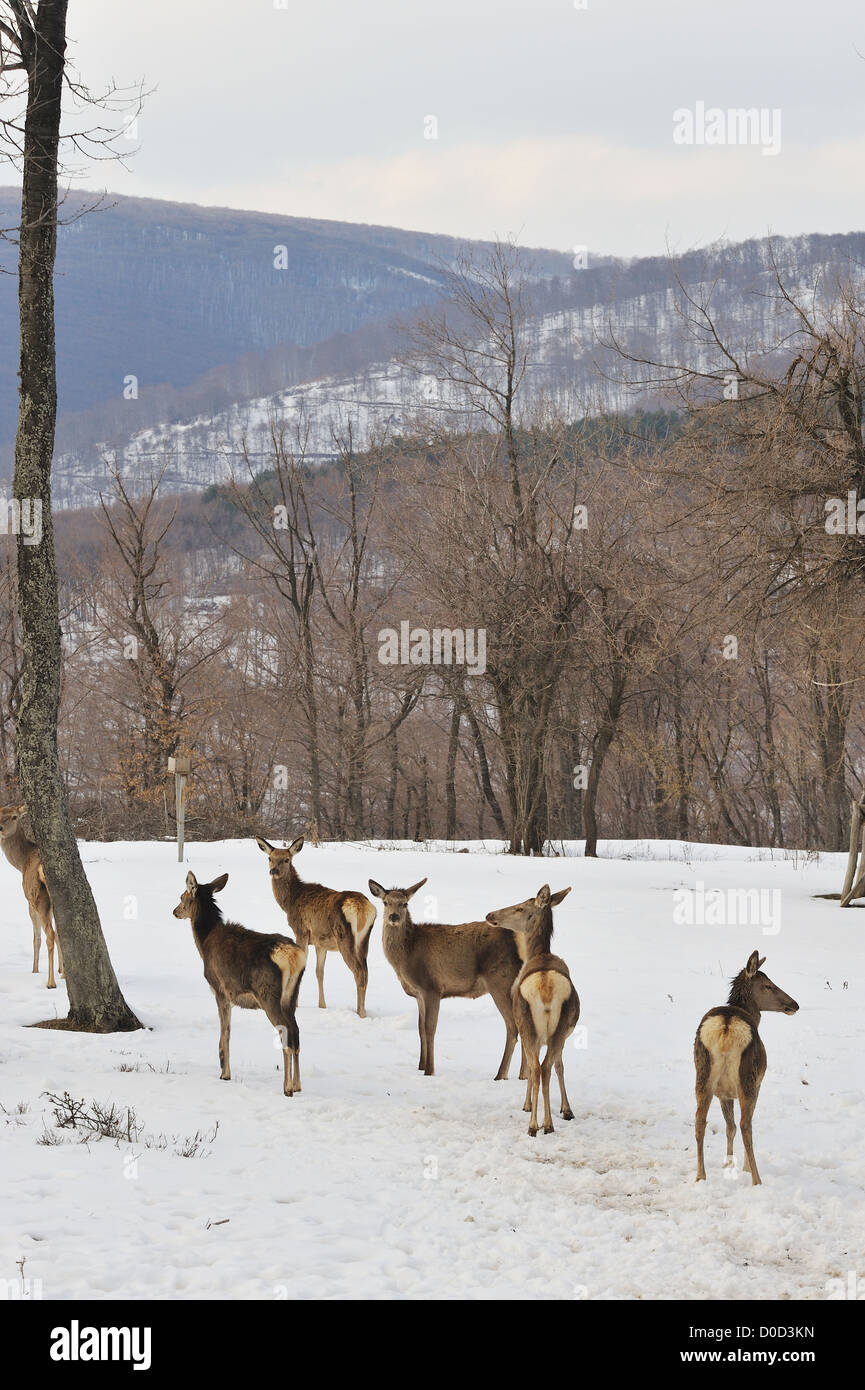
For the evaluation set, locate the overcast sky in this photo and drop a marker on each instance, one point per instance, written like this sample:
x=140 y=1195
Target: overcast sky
x=555 y=124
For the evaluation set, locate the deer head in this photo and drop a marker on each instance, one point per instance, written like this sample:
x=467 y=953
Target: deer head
x=10 y=818
x=766 y=996
x=192 y=898
x=528 y=916
x=395 y=901
x=280 y=859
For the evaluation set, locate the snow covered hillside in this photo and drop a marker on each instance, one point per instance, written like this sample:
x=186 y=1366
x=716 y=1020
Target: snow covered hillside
x=571 y=365
x=378 y=1182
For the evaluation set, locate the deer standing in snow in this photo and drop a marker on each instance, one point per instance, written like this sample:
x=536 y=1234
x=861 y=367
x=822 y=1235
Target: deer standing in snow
x=442 y=961
x=248 y=969
x=546 y=1005
x=731 y=1060
x=328 y=919
x=23 y=855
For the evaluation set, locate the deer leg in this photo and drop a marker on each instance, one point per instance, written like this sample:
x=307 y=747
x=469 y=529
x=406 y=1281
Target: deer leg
x=510 y=1044
x=704 y=1100
x=37 y=940
x=502 y=1000
x=431 y=1018
x=286 y=1027
x=730 y=1120
x=49 y=941
x=292 y=1057
x=421 y=1015
x=354 y=954
x=524 y=1066
x=528 y=1101
x=567 y=1112
x=361 y=977
x=534 y=1087
x=224 y=1008
x=291 y=1068
x=42 y=923
x=320 y=962
x=546 y=1069
x=746 y=1110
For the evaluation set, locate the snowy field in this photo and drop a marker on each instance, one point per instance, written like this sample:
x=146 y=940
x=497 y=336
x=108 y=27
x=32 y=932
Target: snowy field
x=377 y=1182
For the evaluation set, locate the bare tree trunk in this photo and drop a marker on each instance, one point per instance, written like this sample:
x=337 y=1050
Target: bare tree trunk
x=393 y=779
x=450 y=772
x=96 y=1003
x=683 y=774
x=600 y=749
x=486 y=782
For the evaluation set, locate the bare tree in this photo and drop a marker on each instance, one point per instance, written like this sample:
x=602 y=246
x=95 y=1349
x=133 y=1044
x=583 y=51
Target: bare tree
x=34 y=42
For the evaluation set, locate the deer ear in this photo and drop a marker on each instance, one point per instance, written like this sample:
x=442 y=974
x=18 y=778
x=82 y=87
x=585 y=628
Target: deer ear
x=761 y=962
x=296 y=846
x=263 y=845
x=753 y=963
x=376 y=889
x=410 y=892
x=219 y=883
x=20 y=810
x=191 y=881
x=543 y=896
x=556 y=898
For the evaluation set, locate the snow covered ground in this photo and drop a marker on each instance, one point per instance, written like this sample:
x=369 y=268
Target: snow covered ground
x=378 y=1182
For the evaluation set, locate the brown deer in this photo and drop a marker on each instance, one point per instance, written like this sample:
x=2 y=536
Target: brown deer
x=324 y=917
x=23 y=855
x=435 y=962
x=248 y=969
x=731 y=1060
x=546 y=1005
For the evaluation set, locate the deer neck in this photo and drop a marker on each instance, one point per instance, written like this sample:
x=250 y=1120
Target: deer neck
x=742 y=997
x=287 y=890
x=397 y=940
x=539 y=939
x=18 y=847
x=203 y=924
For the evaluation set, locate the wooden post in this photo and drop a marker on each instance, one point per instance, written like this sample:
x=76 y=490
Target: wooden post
x=181 y=768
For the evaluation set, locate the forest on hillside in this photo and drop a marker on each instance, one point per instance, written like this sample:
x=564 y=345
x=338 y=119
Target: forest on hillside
x=669 y=622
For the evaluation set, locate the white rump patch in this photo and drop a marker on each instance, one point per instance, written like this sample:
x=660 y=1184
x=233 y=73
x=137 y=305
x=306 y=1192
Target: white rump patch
x=545 y=992
x=725 y=1042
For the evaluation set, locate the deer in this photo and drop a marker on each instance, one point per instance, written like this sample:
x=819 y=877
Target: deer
x=23 y=855
x=730 y=1058
x=247 y=969
x=326 y=918
x=546 y=1004
x=451 y=961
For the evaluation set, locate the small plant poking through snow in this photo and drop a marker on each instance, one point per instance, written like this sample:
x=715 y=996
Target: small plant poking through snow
x=143 y=1066
x=98 y=1121
x=95 y=1120
x=15 y=1117
x=194 y=1145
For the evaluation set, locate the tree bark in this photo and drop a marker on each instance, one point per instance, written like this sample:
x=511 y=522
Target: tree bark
x=601 y=747
x=450 y=771
x=95 y=1000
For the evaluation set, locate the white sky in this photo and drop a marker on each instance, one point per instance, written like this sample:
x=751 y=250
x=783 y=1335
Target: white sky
x=555 y=124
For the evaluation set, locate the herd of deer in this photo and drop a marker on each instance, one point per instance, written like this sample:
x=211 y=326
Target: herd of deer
x=507 y=956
